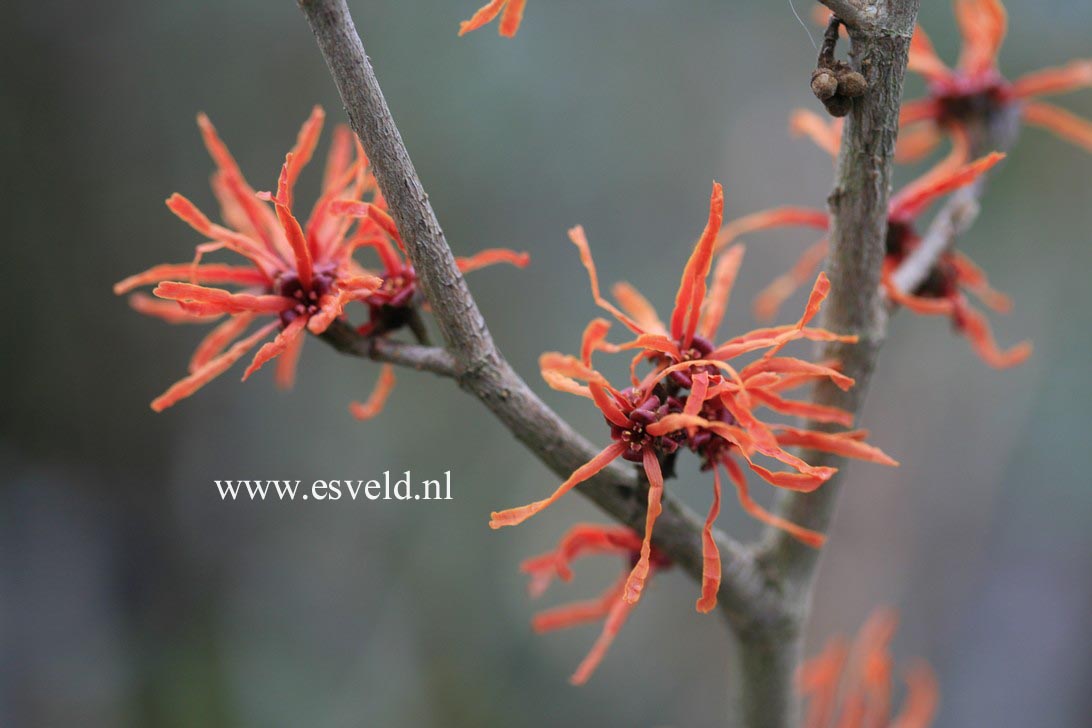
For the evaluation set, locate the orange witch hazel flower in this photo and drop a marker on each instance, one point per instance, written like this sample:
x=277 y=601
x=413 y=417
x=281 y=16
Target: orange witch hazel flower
x=941 y=294
x=974 y=90
x=509 y=22
x=849 y=686
x=299 y=275
x=694 y=399
x=610 y=608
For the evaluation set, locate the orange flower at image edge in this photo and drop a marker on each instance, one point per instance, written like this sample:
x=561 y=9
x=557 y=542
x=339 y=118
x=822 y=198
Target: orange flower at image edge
x=694 y=399
x=297 y=275
x=509 y=22
x=849 y=686
x=974 y=90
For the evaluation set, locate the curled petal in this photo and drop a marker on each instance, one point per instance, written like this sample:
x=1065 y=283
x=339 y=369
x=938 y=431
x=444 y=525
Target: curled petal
x=1069 y=127
x=635 y=584
x=272 y=349
x=578 y=613
x=846 y=444
x=576 y=235
x=378 y=398
x=804 y=535
x=692 y=287
x=977 y=330
x=974 y=279
x=607 y=404
x=805 y=409
x=710 y=561
x=791 y=365
x=515 y=516
x=594 y=339
x=212 y=369
x=510 y=21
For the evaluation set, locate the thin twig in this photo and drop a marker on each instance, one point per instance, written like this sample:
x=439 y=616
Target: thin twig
x=477 y=364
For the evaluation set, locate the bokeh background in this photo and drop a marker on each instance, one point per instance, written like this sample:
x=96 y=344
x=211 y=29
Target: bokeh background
x=130 y=595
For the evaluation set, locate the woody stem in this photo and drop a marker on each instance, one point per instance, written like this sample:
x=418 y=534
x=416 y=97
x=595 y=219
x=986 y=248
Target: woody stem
x=858 y=227
x=470 y=354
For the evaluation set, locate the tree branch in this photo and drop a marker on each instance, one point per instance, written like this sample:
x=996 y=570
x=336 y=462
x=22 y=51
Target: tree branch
x=471 y=355
x=859 y=14
x=858 y=207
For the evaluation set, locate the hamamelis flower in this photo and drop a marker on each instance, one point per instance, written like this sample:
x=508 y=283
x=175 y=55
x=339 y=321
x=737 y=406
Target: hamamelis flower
x=693 y=398
x=849 y=686
x=509 y=22
x=610 y=608
x=974 y=90
x=300 y=276
x=942 y=293
x=391 y=306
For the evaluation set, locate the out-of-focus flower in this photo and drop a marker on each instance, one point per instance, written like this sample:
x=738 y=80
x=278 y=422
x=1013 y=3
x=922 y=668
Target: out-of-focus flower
x=610 y=608
x=974 y=90
x=693 y=397
x=509 y=22
x=942 y=293
x=849 y=686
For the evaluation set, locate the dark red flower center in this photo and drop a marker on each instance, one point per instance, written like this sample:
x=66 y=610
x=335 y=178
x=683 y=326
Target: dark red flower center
x=644 y=412
x=308 y=300
x=967 y=99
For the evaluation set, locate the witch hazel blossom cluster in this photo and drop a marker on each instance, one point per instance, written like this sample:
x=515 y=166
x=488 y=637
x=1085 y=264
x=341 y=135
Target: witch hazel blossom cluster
x=688 y=393
x=299 y=276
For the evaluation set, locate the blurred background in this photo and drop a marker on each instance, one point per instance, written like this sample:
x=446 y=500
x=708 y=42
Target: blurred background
x=131 y=595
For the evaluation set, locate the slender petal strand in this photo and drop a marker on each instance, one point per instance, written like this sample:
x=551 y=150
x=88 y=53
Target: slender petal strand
x=916 y=143
x=272 y=349
x=212 y=369
x=805 y=536
x=767 y=219
x=1062 y=123
x=576 y=235
x=912 y=201
x=284 y=375
x=219 y=339
x=378 y=398
x=168 y=311
x=635 y=584
x=511 y=18
x=1070 y=77
x=578 y=613
x=710 y=570
x=825 y=134
x=211 y=273
x=724 y=278
x=924 y=58
x=220 y=300
x=594 y=340
x=974 y=279
x=688 y=301
x=637 y=306
x=983 y=24
x=613 y=625
x=515 y=516
x=769 y=301
x=492 y=256
x=978 y=332
x=844 y=444
x=510 y=21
